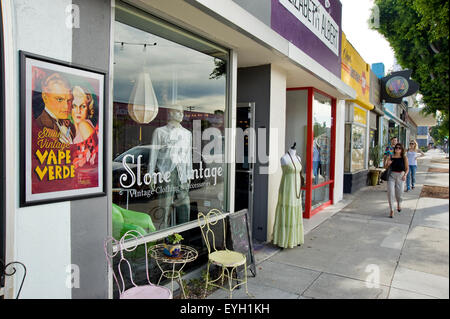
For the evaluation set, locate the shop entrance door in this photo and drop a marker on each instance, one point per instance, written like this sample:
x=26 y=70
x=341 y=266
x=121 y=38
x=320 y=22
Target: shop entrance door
x=245 y=157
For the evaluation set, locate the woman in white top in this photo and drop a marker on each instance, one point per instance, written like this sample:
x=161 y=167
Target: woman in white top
x=412 y=154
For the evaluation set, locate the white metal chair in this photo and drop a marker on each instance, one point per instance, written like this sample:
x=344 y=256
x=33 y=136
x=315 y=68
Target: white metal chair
x=229 y=260
x=148 y=291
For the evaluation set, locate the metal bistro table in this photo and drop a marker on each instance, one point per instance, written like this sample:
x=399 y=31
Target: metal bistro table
x=187 y=254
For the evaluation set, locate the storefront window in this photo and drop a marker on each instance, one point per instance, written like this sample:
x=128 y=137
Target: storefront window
x=358 y=149
x=355 y=141
x=322 y=122
x=168 y=124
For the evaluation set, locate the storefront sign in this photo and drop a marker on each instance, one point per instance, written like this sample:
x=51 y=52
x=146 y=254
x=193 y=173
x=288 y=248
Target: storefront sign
x=313 y=26
x=359 y=116
x=397 y=85
x=315 y=17
x=356 y=73
x=62 y=131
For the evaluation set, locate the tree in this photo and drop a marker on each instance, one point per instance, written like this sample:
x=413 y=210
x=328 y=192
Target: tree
x=417 y=31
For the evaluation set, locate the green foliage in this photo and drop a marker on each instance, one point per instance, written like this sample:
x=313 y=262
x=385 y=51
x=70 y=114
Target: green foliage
x=175 y=238
x=439 y=133
x=219 y=70
x=417 y=30
x=375 y=154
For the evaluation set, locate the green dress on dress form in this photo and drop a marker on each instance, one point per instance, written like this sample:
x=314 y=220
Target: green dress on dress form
x=288 y=226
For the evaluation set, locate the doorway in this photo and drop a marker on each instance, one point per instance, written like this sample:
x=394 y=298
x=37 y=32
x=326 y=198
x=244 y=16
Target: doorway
x=245 y=158
x=311 y=123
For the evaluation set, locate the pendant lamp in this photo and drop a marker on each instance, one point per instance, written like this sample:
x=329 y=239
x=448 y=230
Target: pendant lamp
x=143 y=106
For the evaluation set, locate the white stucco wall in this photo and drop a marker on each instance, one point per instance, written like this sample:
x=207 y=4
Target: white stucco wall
x=40 y=236
x=277 y=141
x=339 y=152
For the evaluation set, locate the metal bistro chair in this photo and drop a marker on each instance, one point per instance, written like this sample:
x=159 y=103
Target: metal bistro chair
x=149 y=291
x=4 y=272
x=227 y=259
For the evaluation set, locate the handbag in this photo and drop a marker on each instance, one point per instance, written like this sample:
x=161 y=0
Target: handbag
x=387 y=172
x=385 y=175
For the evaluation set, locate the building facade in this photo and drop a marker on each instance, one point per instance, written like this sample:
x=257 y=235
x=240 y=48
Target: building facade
x=356 y=73
x=187 y=73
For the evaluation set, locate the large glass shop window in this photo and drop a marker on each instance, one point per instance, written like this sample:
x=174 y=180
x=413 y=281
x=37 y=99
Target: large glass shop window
x=168 y=125
x=322 y=121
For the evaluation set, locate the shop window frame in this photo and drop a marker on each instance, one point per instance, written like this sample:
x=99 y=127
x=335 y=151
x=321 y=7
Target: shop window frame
x=161 y=234
x=308 y=212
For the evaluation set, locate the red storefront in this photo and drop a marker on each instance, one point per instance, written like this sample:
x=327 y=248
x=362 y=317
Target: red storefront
x=316 y=110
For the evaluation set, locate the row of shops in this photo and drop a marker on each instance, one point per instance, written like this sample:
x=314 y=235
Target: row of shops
x=230 y=84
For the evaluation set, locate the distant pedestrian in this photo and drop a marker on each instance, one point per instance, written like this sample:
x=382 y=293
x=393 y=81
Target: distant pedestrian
x=398 y=162
x=413 y=153
x=389 y=151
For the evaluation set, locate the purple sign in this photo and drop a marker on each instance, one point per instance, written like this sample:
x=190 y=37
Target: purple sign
x=314 y=26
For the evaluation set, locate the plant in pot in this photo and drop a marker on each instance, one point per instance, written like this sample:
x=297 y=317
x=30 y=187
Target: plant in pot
x=173 y=247
x=376 y=158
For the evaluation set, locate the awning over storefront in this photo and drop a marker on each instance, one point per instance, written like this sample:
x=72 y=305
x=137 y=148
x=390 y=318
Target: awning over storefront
x=254 y=42
x=367 y=106
x=421 y=119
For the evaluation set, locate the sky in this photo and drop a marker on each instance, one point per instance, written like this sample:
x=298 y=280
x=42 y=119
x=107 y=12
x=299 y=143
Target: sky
x=369 y=43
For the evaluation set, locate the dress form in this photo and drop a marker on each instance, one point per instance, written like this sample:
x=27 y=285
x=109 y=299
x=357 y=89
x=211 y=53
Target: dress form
x=285 y=159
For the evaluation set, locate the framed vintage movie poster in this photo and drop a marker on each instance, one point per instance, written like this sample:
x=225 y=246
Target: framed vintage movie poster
x=62 y=130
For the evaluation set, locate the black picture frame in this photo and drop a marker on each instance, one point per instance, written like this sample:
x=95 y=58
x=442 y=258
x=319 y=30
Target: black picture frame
x=71 y=68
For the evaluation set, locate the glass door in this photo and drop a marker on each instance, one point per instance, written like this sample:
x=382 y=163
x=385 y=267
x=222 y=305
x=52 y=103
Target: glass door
x=322 y=119
x=245 y=151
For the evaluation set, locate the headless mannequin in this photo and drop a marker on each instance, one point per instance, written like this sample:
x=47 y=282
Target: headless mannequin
x=285 y=159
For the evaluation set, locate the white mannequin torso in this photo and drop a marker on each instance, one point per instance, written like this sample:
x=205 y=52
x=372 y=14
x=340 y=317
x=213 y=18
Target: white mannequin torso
x=286 y=159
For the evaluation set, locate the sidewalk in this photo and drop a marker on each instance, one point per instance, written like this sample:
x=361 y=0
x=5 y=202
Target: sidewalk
x=358 y=252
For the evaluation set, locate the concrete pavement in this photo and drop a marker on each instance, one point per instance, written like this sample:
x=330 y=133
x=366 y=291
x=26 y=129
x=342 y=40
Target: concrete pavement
x=355 y=251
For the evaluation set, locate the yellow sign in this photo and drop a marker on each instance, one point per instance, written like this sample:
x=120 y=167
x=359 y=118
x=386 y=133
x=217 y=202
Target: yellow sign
x=356 y=73
x=359 y=116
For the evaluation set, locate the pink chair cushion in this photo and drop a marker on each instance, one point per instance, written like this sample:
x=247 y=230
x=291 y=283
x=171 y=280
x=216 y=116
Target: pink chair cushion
x=147 y=292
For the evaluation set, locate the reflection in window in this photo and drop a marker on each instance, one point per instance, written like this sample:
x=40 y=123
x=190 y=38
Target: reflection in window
x=322 y=138
x=168 y=125
x=358 y=149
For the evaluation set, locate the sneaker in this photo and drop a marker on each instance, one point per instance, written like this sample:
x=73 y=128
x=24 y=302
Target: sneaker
x=413 y=187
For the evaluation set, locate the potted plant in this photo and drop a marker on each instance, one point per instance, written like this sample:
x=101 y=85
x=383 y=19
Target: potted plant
x=173 y=247
x=376 y=158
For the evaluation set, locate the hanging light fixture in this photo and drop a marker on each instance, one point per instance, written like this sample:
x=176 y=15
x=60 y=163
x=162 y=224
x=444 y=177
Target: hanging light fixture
x=143 y=105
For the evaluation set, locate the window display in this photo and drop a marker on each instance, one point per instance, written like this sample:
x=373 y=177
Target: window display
x=168 y=124
x=355 y=140
x=322 y=120
x=358 y=149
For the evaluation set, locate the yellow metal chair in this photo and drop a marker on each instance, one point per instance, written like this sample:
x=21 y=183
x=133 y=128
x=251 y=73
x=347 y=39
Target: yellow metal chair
x=227 y=259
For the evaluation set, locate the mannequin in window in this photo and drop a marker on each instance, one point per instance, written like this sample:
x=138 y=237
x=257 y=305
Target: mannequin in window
x=172 y=153
x=288 y=226
x=316 y=161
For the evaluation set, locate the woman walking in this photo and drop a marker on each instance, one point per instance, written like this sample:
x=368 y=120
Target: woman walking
x=413 y=153
x=398 y=162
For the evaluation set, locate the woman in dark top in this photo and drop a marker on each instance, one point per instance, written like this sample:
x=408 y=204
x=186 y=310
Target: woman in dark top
x=399 y=170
